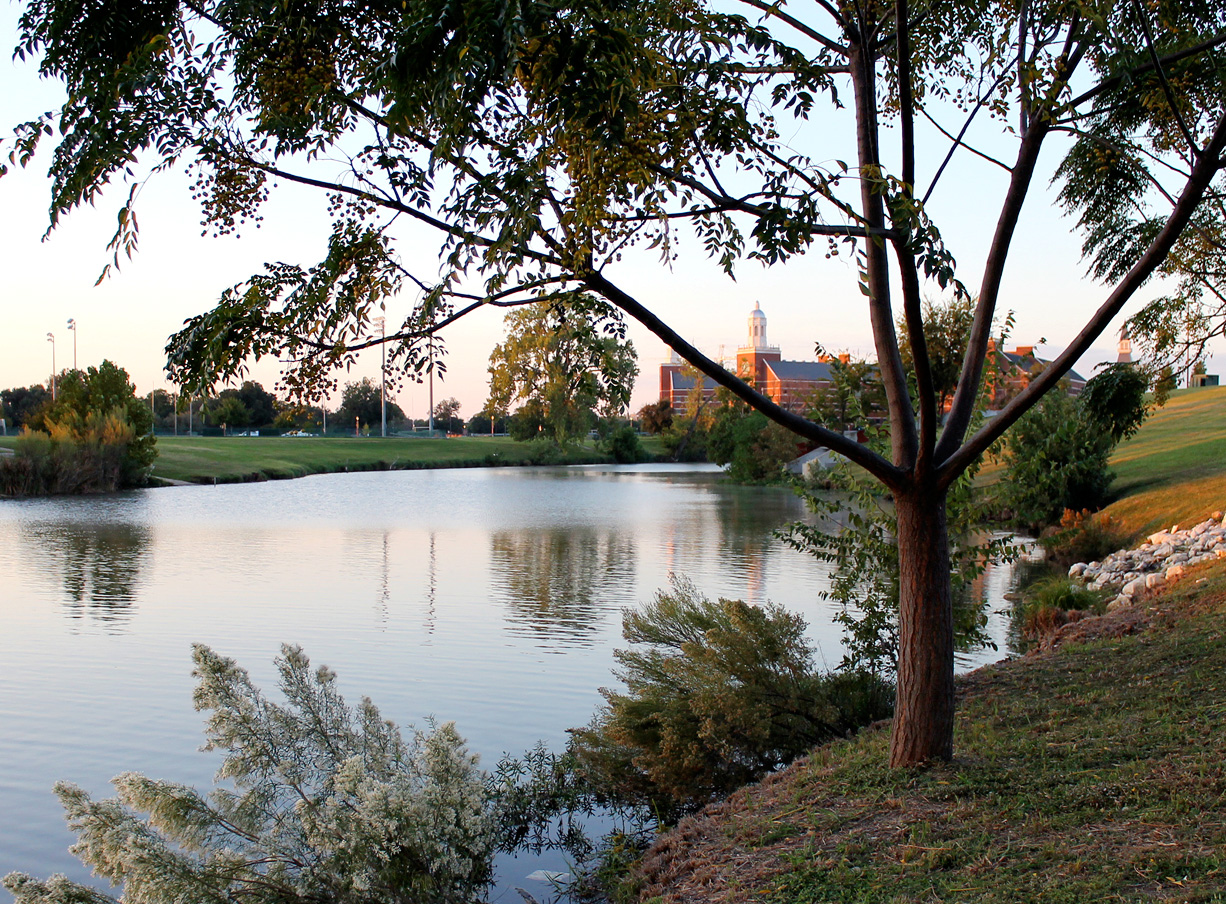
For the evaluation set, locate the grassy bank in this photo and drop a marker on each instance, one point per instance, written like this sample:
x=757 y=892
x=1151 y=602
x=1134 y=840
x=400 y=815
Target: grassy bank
x=1174 y=469
x=1094 y=773
x=198 y=459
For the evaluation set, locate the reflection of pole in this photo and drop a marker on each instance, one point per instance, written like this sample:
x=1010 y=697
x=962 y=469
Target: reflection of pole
x=431 y=368
x=431 y=587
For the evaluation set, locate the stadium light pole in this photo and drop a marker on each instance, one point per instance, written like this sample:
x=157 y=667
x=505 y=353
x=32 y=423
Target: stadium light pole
x=72 y=325
x=51 y=339
x=381 y=322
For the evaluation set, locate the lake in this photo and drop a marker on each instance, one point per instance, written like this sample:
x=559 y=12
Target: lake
x=491 y=597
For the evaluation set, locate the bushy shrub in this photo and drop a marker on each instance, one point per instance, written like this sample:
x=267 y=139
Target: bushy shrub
x=1046 y=605
x=716 y=695
x=322 y=803
x=1083 y=537
x=97 y=453
x=1055 y=458
x=751 y=447
x=623 y=444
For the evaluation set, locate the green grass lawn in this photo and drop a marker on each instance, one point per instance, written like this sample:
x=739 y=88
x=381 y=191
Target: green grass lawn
x=235 y=459
x=227 y=459
x=1174 y=469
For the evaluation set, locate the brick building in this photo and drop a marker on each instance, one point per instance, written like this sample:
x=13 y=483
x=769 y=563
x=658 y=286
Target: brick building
x=787 y=383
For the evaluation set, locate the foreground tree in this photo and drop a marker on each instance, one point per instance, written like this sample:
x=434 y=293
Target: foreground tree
x=543 y=145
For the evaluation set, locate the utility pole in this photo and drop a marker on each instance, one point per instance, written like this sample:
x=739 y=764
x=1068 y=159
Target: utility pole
x=51 y=339
x=432 y=385
x=382 y=323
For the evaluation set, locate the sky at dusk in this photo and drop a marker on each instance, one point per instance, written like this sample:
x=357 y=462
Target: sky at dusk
x=178 y=273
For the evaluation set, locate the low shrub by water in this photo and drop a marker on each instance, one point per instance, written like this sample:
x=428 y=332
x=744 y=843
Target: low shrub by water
x=95 y=457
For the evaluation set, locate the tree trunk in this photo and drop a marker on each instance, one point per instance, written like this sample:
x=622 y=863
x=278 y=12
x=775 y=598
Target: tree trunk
x=924 y=712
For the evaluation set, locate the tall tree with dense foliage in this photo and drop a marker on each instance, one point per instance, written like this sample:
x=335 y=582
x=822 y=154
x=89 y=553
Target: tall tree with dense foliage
x=563 y=364
x=545 y=144
x=362 y=403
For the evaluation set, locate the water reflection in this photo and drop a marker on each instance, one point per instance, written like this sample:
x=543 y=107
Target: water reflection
x=559 y=582
x=99 y=566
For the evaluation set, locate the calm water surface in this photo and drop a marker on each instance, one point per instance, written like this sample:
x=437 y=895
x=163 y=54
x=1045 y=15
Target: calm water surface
x=491 y=597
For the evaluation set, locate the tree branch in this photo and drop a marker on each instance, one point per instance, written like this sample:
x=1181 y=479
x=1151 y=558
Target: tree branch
x=773 y=10
x=1203 y=173
x=1166 y=85
x=863 y=456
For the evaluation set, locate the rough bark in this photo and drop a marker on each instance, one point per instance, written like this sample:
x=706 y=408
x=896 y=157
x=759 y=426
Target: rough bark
x=924 y=712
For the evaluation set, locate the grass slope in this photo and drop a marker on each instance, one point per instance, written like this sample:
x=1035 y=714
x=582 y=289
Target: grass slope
x=1093 y=773
x=1174 y=469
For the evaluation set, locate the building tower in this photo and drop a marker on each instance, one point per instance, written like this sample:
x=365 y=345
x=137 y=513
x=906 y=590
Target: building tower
x=1125 y=346
x=752 y=357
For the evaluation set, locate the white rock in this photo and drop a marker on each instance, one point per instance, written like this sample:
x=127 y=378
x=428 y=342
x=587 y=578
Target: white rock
x=1120 y=602
x=1175 y=571
x=1132 y=588
x=1076 y=569
x=1154 y=580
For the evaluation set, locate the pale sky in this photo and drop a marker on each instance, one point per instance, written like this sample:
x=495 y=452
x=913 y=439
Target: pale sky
x=177 y=273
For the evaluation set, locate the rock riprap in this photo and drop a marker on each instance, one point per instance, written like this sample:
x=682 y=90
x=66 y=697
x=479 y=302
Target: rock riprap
x=1163 y=557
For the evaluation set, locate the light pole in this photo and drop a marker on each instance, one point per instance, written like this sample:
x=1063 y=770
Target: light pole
x=381 y=322
x=72 y=325
x=51 y=339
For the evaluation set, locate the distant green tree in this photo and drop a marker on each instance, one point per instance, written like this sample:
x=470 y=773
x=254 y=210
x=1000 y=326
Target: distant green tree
x=564 y=362
x=447 y=416
x=487 y=421
x=229 y=412
x=947 y=328
x=855 y=394
x=623 y=444
x=360 y=401
x=20 y=403
x=261 y=404
x=656 y=417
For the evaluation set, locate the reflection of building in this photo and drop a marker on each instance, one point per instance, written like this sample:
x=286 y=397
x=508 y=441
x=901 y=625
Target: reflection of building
x=787 y=383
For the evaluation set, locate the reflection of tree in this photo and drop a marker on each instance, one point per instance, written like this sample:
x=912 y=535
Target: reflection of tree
x=559 y=582
x=98 y=565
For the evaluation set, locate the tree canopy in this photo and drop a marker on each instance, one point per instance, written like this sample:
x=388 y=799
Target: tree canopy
x=548 y=141
x=563 y=363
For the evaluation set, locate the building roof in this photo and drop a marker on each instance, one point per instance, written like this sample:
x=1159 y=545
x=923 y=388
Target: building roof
x=809 y=371
x=679 y=382
x=1027 y=361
